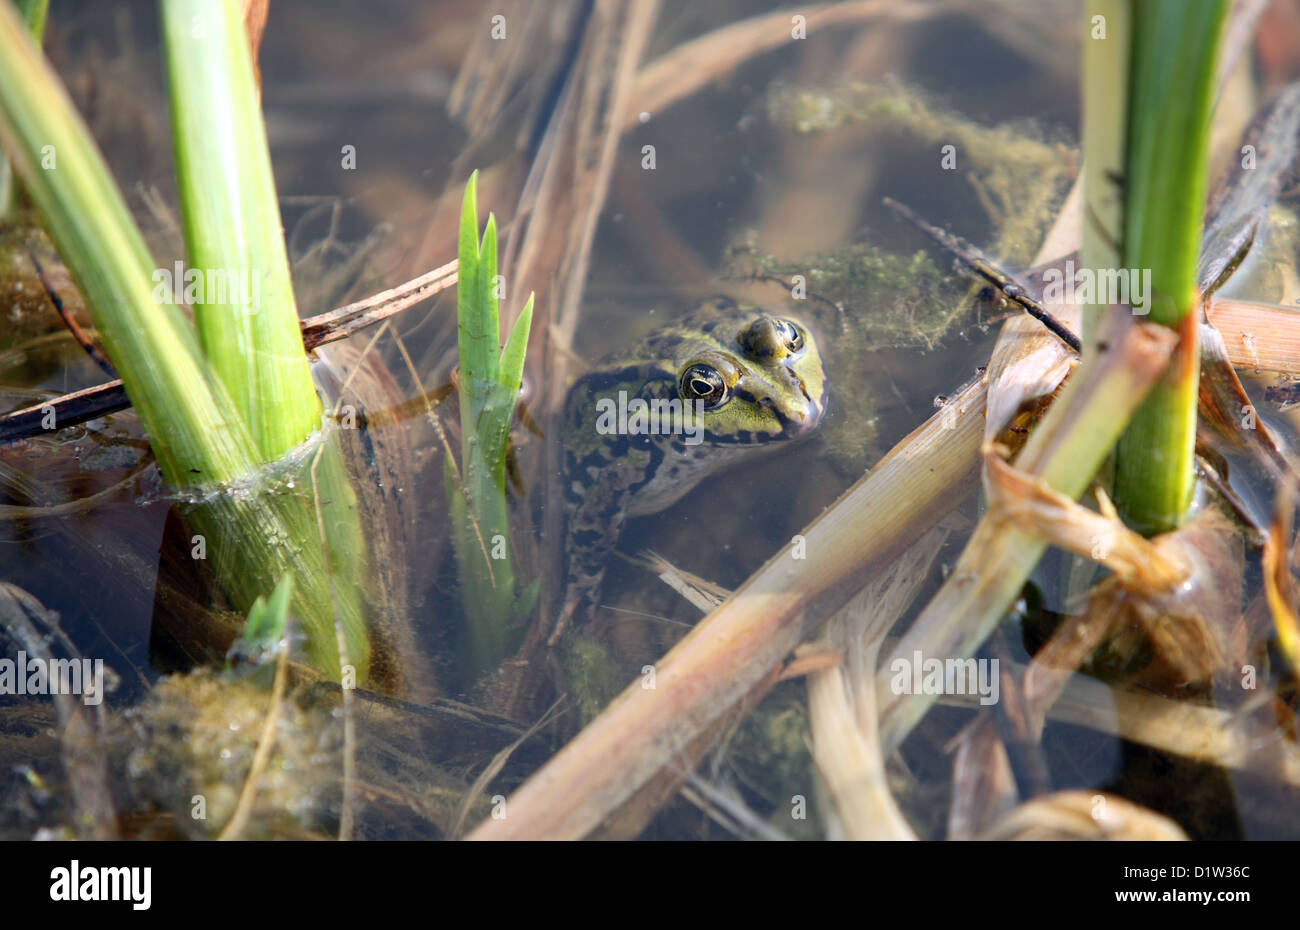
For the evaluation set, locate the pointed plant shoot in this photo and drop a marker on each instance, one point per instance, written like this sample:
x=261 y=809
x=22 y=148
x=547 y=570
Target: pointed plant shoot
x=267 y=621
x=488 y=381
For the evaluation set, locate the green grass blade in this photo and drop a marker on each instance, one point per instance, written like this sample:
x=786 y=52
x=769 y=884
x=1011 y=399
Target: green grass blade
x=487 y=289
x=267 y=619
x=511 y=373
x=194 y=429
x=476 y=316
x=488 y=379
x=495 y=422
x=186 y=414
x=1107 y=39
x=245 y=311
x=33 y=15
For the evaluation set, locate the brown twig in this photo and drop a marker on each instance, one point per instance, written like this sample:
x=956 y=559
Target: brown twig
x=984 y=267
x=350 y=318
x=101 y=400
x=70 y=321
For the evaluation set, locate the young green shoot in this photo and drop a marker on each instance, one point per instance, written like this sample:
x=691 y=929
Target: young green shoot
x=488 y=381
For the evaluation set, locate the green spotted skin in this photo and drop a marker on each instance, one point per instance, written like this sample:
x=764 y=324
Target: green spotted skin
x=761 y=379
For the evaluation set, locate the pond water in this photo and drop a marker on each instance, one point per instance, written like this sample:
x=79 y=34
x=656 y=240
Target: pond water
x=772 y=167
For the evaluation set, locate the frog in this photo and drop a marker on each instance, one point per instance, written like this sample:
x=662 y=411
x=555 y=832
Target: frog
x=746 y=382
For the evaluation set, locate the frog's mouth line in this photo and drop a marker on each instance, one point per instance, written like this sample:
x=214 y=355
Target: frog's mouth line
x=798 y=430
x=791 y=429
x=810 y=422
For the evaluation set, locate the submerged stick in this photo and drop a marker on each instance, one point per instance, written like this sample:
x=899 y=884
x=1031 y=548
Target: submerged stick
x=986 y=268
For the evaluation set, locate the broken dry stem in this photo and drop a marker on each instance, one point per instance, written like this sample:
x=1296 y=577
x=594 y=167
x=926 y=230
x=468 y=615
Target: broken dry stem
x=1210 y=735
x=733 y=649
x=1064 y=452
x=842 y=700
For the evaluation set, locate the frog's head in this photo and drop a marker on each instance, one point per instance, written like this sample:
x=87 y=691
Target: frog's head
x=758 y=378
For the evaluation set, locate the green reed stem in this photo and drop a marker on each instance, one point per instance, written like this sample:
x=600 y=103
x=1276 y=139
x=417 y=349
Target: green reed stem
x=244 y=304
x=1172 y=70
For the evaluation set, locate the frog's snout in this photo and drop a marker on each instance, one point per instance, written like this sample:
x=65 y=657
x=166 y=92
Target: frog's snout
x=797 y=419
x=808 y=416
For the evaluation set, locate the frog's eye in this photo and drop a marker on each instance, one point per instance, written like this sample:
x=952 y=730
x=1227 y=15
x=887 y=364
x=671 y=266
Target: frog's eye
x=790 y=334
x=702 y=382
